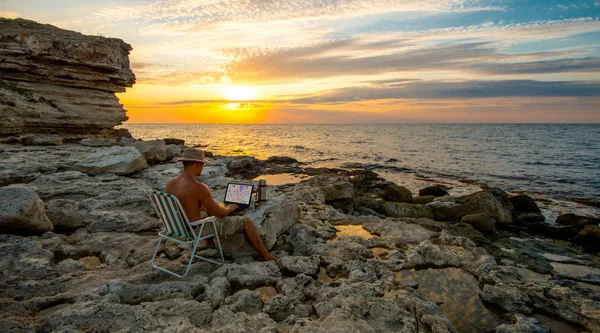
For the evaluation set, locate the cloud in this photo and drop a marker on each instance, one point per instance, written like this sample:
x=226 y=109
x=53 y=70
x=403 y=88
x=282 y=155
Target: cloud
x=175 y=77
x=278 y=42
x=426 y=91
x=591 y=64
x=456 y=90
x=194 y=15
x=219 y=101
x=508 y=34
x=284 y=65
x=340 y=58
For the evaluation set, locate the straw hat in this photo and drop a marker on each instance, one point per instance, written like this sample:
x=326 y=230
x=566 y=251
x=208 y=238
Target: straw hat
x=193 y=155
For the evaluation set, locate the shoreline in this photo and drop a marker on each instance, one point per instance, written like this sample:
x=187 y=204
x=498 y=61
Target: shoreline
x=384 y=160
x=96 y=261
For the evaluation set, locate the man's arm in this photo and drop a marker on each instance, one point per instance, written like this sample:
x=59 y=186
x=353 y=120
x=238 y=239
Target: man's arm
x=211 y=205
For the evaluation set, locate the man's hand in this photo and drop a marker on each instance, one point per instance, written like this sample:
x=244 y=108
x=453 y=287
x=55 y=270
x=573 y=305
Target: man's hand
x=231 y=207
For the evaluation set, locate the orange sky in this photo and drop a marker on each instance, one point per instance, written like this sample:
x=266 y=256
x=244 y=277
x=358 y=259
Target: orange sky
x=352 y=61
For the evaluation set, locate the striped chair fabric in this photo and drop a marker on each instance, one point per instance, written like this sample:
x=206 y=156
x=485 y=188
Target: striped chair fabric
x=170 y=210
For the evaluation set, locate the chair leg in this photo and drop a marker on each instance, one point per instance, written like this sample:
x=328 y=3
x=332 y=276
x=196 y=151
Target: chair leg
x=219 y=244
x=160 y=239
x=192 y=255
x=156 y=252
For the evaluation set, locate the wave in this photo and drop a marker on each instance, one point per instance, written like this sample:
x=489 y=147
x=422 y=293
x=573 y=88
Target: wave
x=371 y=167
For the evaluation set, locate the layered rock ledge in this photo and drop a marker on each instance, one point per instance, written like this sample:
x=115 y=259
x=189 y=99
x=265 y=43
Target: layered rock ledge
x=55 y=81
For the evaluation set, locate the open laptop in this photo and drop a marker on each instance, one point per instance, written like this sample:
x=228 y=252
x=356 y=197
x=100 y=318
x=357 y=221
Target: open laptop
x=239 y=194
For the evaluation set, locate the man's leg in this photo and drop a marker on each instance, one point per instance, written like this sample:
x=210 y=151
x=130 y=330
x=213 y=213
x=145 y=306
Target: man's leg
x=254 y=239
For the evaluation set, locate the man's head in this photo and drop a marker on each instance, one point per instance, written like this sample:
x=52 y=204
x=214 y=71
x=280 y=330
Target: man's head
x=193 y=158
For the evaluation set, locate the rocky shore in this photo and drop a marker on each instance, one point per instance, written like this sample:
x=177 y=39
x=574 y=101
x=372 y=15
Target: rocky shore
x=78 y=233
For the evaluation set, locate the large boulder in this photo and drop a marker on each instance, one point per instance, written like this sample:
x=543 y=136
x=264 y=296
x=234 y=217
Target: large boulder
x=526 y=218
x=394 y=192
x=248 y=167
x=524 y=204
x=118 y=160
x=273 y=218
x=22 y=210
x=589 y=238
x=571 y=219
x=65 y=214
x=173 y=151
x=525 y=210
x=434 y=190
x=400 y=209
x=101 y=203
x=154 y=151
x=423 y=200
x=480 y=222
x=338 y=191
x=493 y=203
x=173 y=141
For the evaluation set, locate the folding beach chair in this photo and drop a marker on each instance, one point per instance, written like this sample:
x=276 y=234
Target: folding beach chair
x=178 y=229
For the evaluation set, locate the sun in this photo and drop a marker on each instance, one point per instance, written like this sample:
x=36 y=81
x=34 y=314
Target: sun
x=239 y=93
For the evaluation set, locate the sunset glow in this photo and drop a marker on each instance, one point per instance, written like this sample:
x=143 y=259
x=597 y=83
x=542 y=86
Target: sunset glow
x=352 y=61
x=239 y=93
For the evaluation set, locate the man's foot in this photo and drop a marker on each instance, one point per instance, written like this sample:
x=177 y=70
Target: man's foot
x=269 y=257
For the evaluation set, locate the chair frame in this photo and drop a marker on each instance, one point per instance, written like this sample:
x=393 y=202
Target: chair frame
x=173 y=216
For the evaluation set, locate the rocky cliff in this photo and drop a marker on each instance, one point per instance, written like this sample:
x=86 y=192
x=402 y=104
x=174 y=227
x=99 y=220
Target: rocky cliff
x=59 y=81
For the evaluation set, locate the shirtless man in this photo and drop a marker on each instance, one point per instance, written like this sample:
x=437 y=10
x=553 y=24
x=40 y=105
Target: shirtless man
x=194 y=195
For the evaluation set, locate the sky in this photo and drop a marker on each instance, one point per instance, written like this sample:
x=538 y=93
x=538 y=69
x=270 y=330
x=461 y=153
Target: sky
x=347 y=61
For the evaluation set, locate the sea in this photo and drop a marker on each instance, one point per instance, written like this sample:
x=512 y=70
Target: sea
x=557 y=164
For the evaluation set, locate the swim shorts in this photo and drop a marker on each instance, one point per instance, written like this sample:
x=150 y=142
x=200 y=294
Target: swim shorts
x=226 y=226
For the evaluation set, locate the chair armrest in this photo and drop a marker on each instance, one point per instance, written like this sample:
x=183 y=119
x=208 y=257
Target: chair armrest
x=204 y=220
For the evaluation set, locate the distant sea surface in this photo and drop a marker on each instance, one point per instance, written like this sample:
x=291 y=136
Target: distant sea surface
x=561 y=161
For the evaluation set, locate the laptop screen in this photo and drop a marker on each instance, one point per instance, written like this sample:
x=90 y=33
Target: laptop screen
x=238 y=193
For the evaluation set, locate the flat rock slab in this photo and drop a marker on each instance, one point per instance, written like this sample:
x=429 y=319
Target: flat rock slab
x=116 y=159
x=574 y=270
x=561 y=259
x=401 y=232
x=529 y=275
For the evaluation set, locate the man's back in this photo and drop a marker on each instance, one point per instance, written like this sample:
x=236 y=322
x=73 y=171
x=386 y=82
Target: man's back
x=188 y=192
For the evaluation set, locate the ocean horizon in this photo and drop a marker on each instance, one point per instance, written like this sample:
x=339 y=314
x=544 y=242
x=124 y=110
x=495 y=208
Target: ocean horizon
x=555 y=160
